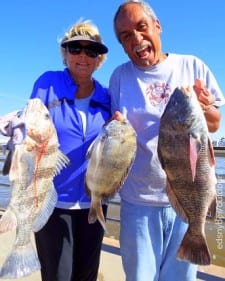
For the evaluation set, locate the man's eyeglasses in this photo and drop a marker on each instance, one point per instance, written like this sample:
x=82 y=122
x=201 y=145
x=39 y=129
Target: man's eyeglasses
x=89 y=50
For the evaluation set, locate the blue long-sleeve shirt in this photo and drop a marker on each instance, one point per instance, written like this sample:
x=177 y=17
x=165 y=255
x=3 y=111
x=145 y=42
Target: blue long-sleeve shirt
x=57 y=90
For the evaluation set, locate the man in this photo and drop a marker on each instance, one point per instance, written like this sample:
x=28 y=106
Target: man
x=140 y=89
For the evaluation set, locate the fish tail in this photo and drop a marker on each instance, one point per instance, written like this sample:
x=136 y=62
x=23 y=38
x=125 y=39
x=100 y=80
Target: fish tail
x=194 y=250
x=96 y=213
x=22 y=261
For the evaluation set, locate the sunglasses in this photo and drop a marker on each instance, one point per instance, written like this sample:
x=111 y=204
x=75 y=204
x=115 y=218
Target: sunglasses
x=89 y=50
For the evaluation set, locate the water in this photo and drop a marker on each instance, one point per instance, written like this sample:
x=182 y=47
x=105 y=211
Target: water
x=220 y=187
x=5 y=190
x=220 y=166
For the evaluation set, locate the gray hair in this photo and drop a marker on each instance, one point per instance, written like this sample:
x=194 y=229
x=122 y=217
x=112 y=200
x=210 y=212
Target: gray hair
x=146 y=8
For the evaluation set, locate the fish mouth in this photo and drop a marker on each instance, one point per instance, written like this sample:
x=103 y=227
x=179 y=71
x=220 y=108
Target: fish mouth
x=187 y=91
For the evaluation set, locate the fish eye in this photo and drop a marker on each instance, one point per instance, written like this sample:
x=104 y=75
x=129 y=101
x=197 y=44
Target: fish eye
x=47 y=116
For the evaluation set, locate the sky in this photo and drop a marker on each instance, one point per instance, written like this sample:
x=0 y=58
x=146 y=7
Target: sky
x=30 y=32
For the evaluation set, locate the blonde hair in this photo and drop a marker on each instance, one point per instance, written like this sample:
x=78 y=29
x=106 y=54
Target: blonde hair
x=83 y=28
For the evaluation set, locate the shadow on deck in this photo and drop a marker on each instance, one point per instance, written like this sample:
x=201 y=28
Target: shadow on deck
x=112 y=247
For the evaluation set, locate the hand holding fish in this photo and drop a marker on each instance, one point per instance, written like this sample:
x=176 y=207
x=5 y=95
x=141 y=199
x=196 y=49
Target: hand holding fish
x=118 y=116
x=206 y=100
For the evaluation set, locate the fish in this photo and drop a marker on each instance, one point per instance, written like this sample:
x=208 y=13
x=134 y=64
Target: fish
x=35 y=162
x=187 y=157
x=110 y=158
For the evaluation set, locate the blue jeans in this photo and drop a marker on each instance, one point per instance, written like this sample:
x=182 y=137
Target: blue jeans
x=149 y=240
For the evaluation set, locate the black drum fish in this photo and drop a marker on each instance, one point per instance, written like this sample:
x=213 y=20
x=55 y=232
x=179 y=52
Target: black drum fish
x=187 y=157
x=35 y=162
x=110 y=156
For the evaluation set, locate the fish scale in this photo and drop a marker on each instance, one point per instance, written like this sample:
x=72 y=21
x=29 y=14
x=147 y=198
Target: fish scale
x=110 y=158
x=35 y=162
x=186 y=154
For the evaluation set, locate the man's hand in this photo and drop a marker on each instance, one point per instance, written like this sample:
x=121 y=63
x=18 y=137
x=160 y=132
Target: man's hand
x=118 y=116
x=205 y=98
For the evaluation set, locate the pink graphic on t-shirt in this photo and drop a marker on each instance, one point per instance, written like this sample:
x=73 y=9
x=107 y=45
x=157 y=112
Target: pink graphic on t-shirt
x=158 y=93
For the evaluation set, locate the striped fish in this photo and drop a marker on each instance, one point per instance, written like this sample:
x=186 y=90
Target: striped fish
x=187 y=156
x=35 y=162
x=110 y=158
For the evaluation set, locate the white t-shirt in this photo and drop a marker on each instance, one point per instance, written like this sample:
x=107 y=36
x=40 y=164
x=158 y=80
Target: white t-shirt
x=142 y=95
x=82 y=106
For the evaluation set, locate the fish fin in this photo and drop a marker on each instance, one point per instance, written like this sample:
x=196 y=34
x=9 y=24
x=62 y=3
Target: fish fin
x=8 y=221
x=211 y=156
x=46 y=210
x=87 y=189
x=62 y=161
x=97 y=145
x=175 y=203
x=212 y=210
x=95 y=213
x=194 y=250
x=90 y=149
x=7 y=163
x=194 y=148
x=22 y=261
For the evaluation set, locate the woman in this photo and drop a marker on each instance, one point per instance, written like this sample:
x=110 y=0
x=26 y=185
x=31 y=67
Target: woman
x=68 y=246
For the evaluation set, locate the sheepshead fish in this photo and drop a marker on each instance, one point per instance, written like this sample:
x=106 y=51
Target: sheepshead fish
x=110 y=156
x=187 y=156
x=35 y=161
